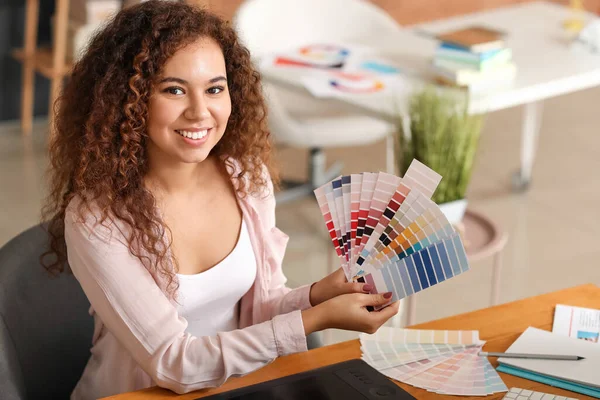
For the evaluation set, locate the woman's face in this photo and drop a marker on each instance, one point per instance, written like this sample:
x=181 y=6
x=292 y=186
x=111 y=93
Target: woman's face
x=189 y=107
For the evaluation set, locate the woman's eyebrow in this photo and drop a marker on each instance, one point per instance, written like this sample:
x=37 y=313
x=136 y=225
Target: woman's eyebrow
x=184 y=82
x=218 y=79
x=173 y=79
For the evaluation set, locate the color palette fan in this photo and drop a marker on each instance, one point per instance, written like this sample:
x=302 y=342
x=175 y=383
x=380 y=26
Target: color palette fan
x=388 y=232
x=444 y=362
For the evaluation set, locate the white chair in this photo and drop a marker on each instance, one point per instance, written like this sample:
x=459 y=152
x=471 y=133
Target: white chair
x=266 y=26
x=318 y=132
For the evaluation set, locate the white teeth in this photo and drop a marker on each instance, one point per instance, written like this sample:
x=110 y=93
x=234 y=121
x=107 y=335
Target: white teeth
x=193 y=135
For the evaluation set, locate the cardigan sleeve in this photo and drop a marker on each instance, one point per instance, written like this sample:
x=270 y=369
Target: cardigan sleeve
x=135 y=310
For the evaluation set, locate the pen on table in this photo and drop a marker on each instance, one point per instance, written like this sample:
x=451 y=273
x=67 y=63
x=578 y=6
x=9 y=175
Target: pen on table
x=532 y=356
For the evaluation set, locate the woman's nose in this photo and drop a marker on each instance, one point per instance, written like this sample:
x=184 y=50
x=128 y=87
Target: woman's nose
x=197 y=109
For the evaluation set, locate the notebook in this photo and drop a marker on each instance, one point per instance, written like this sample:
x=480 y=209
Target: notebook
x=477 y=39
x=579 y=376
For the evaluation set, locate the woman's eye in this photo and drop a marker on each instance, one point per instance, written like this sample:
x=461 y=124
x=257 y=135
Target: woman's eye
x=174 y=90
x=215 y=90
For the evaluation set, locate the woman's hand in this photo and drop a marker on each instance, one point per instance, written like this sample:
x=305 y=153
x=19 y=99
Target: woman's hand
x=334 y=285
x=349 y=311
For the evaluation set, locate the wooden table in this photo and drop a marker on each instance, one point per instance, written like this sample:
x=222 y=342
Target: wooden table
x=534 y=32
x=500 y=326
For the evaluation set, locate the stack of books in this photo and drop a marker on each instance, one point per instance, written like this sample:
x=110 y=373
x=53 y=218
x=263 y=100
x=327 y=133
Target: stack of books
x=474 y=57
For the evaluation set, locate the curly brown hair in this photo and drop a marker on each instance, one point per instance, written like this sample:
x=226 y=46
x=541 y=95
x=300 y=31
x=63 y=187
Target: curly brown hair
x=98 y=148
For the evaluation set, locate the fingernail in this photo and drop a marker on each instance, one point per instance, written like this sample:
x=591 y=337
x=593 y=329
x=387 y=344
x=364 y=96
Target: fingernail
x=387 y=295
x=367 y=288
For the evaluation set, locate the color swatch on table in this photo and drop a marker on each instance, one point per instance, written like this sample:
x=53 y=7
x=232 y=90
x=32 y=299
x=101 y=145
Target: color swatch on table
x=444 y=362
x=339 y=70
x=325 y=56
x=388 y=232
x=424 y=336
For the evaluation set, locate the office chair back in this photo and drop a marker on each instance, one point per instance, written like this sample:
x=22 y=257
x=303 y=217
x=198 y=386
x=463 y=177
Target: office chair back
x=45 y=328
x=286 y=129
x=272 y=25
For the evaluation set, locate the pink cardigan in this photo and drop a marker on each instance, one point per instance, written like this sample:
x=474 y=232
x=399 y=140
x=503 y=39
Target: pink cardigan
x=139 y=338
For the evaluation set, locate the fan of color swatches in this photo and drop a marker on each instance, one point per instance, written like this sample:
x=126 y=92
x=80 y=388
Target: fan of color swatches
x=388 y=232
x=444 y=362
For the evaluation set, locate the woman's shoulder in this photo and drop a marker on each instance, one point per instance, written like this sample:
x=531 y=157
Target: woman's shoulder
x=257 y=193
x=86 y=211
x=86 y=216
x=262 y=198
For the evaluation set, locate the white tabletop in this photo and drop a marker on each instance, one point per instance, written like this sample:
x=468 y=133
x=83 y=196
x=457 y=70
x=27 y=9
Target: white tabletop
x=547 y=65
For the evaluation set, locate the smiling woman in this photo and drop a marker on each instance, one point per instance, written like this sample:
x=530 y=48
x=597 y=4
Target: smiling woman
x=192 y=100
x=162 y=203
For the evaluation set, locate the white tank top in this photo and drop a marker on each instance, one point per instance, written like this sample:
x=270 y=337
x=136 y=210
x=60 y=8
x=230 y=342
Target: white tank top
x=209 y=301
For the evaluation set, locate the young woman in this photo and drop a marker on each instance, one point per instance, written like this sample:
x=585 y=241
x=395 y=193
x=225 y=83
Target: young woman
x=163 y=205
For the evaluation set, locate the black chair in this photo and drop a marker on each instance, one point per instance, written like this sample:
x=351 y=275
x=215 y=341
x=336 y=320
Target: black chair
x=45 y=328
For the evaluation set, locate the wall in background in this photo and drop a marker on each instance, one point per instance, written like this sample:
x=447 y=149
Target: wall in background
x=12 y=22
x=408 y=12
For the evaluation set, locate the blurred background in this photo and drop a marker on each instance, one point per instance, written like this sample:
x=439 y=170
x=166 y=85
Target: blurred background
x=526 y=192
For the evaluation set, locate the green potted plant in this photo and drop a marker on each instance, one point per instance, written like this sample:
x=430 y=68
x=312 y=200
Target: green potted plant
x=438 y=131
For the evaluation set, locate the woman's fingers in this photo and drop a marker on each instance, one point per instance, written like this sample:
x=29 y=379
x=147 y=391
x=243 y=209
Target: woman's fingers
x=356 y=287
x=386 y=313
x=376 y=299
x=348 y=311
x=378 y=318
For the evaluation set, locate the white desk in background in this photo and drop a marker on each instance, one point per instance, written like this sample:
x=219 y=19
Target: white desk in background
x=547 y=67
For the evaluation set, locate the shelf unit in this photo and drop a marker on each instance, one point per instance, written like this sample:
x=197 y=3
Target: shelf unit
x=52 y=62
x=43 y=62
